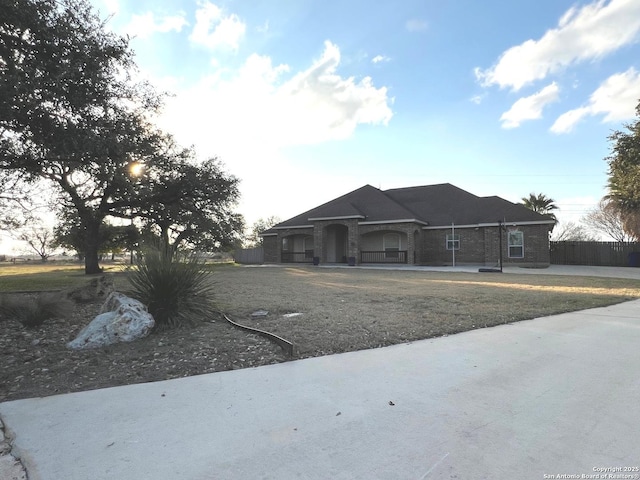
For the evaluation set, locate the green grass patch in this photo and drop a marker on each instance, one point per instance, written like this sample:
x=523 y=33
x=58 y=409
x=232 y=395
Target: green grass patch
x=34 y=277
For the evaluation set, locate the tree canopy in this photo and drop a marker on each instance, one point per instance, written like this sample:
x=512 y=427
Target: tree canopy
x=541 y=203
x=262 y=224
x=624 y=173
x=76 y=118
x=188 y=204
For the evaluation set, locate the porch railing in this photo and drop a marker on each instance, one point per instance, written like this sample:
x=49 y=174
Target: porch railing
x=297 y=257
x=388 y=256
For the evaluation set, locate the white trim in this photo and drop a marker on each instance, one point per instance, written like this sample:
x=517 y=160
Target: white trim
x=383 y=222
x=504 y=224
x=450 y=238
x=267 y=234
x=510 y=246
x=413 y=220
x=346 y=217
x=296 y=226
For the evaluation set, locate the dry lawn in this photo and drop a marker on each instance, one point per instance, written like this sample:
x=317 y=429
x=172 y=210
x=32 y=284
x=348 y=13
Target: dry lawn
x=341 y=310
x=352 y=309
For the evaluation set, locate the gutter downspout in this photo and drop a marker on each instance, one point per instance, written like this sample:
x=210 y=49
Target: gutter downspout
x=453 y=244
x=500 y=237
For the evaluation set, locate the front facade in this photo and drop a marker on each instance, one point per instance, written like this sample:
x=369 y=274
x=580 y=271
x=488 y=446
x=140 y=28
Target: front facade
x=428 y=225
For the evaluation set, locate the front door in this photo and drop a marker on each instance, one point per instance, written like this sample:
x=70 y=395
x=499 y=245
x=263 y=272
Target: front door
x=336 y=243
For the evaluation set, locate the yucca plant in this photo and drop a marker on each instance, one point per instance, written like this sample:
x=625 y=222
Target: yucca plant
x=33 y=312
x=176 y=288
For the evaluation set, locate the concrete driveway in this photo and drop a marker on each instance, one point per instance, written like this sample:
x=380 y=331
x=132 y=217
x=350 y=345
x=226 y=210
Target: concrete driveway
x=552 y=396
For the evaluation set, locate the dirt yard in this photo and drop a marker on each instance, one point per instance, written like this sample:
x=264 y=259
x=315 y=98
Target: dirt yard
x=321 y=310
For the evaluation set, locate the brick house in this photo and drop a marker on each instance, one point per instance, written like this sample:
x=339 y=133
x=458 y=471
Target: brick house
x=426 y=225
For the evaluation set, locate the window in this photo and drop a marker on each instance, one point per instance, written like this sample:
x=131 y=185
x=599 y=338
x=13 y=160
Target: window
x=516 y=244
x=285 y=244
x=453 y=241
x=391 y=245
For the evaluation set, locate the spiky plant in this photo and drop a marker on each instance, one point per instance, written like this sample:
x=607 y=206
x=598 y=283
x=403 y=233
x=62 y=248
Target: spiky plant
x=176 y=288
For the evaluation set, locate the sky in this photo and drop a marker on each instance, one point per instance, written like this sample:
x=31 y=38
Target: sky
x=305 y=101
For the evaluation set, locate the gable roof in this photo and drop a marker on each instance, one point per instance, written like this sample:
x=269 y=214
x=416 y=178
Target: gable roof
x=433 y=205
x=366 y=204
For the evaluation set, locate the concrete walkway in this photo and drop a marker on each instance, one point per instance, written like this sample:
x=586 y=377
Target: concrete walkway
x=552 y=396
x=569 y=270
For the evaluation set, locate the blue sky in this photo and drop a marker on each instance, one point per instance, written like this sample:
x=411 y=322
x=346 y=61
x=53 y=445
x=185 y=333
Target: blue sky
x=307 y=100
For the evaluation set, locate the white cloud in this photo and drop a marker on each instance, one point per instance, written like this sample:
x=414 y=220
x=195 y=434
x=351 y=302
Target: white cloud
x=248 y=117
x=416 y=25
x=112 y=6
x=380 y=59
x=616 y=98
x=143 y=26
x=585 y=33
x=256 y=106
x=529 y=108
x=478 y=99
x=565 y=122
x=213 y=29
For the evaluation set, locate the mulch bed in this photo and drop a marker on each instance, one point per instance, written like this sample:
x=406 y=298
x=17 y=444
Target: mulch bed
x=37 y=363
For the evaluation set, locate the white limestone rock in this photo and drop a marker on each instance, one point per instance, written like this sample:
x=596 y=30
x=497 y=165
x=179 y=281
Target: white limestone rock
x=121 y=319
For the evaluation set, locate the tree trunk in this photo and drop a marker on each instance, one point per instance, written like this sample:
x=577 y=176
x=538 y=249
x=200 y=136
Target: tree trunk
x=92 y=244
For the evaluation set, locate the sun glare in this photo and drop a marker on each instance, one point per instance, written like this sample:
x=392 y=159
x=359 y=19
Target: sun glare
x=135 y=169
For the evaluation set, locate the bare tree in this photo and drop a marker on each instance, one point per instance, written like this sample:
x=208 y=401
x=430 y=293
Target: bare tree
x=571 y=231
x=17 y=200
x=40 y=240
x=608 y=219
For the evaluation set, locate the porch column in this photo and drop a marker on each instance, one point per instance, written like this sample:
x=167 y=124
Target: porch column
x=353 y=240
x=318 y=244
x=411 y=246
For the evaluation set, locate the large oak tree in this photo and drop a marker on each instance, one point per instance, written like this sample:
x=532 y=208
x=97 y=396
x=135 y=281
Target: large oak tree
x=188 y=204
x=72 y=115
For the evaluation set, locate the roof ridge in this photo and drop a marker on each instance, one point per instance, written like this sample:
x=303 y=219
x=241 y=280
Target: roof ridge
x=404 y=207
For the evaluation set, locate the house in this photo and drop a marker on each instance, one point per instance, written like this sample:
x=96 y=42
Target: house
x=426 y=225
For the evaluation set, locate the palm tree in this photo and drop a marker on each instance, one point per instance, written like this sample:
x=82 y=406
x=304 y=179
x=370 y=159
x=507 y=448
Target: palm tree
x=542 y=204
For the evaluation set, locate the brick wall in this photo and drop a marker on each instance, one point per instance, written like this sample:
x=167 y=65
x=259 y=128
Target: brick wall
x=481 y=246
x=536 y=246
x=477 y=245
x=271 y=245
x=410 y=233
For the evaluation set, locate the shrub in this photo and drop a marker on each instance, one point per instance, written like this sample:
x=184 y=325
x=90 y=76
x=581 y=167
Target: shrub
x=33 y=311
x=176 y=288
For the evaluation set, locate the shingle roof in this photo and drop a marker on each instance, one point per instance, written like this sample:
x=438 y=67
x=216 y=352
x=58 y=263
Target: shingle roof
x=435 y=205
x=366 y=203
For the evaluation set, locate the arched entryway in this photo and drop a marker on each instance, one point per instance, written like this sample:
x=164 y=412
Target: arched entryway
x=384 y=246
x=335 y=246
x=297 y=249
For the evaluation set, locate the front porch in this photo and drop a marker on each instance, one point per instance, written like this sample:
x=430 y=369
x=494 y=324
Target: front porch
x=384 y=256
x=297 y=257
x=347 y=242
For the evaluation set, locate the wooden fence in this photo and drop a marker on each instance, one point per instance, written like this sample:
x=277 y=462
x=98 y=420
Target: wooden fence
x=249 y=255
x=612 y=254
